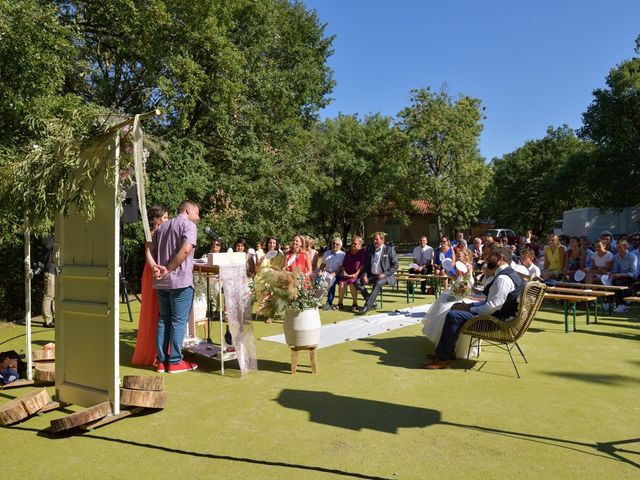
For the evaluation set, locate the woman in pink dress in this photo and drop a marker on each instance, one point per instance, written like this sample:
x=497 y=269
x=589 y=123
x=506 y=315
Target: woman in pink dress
x=145 y=351
x=352 y=266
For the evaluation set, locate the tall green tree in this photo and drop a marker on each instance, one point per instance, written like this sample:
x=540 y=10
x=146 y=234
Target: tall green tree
x=442 y=134
x=364 y=170
x=612 y=122
x=534 y=184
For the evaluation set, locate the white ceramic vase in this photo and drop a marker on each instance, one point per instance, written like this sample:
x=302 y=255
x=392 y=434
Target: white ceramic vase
x=302 y=329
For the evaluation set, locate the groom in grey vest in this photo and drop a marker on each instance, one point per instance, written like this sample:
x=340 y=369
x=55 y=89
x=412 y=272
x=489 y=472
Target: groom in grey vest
x=498 y=303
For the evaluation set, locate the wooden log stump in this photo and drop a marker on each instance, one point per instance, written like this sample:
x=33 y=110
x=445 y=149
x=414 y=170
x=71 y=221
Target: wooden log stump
x=139 y=382
x=143 y=398
x=33 y=402
x=12 y=412
x=43 y=355
x=45 y=372
x=80 y=418
x=21 y=407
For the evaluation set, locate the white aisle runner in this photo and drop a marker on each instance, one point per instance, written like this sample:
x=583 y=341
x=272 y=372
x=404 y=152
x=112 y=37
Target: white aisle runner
x=366 y=326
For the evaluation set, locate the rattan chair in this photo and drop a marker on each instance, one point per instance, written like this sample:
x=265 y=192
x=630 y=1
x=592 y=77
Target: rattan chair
x=506 y=334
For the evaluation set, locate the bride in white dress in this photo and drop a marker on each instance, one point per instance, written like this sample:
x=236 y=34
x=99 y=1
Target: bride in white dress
x=434 y=318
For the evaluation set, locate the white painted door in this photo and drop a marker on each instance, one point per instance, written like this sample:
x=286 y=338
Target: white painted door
x=87 y=295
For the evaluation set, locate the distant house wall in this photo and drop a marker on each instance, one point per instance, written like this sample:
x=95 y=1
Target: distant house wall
x=419 y=225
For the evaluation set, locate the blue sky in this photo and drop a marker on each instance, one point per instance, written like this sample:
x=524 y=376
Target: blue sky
x=533 y=64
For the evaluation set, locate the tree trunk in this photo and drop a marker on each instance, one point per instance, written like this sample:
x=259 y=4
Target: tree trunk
x=346 y=227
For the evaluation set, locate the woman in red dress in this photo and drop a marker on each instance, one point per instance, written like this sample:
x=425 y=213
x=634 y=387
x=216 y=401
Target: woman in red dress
x=145 y=351
x=296 y=258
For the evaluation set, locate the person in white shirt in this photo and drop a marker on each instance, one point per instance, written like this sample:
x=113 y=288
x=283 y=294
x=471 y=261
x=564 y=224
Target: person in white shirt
x=423 y=258
x=527 y=256
x=601 y=263
x=331 y=263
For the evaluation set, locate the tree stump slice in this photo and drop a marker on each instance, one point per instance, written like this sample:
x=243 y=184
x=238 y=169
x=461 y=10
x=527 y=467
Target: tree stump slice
x=80 y=418
x=45 y=372
x=12 y=412
x=43 y=355
x=143 y=398
x=33 y=402
x=139 y=382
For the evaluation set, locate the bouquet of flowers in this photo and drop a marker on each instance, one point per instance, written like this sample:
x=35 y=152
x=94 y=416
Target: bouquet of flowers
x=460 y=289
x=289 y=290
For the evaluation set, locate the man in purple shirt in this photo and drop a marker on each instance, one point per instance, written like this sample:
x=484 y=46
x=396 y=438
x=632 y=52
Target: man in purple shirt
x=173 y=248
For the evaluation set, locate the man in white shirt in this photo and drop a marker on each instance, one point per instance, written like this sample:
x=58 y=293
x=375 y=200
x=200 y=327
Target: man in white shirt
x=331 y=263
x=380 y=269
x=498 y=303
x=423 y=258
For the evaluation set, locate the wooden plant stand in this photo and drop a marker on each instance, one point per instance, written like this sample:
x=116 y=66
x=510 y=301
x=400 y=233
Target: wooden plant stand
x=312 y=349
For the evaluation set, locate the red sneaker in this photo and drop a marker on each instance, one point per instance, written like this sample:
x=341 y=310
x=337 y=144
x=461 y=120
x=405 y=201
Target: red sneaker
x=182 y=366
x=160 y=367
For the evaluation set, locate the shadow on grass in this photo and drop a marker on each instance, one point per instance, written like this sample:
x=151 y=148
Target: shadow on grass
x=210 y=456
x=357 y=414
x=603 y=379
x=407 y=352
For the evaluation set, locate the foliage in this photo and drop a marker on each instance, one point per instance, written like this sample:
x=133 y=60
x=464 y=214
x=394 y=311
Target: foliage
x=35 y=56
x=442 y=135
x=364 y=171
x=285 y=290
x=540 y=180
x=612 y=122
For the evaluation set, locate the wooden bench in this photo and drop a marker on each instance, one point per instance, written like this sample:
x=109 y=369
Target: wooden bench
x=595 y=286
x=601 y=294
x=632 y=299
x=573 y=300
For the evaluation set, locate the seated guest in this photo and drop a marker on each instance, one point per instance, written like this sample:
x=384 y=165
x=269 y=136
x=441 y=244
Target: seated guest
x=574 y=259
x=312 y=255
x=528 y=238
x=216 y=246
x=609 y=243
x=269 y=261
x=553 y=259
x=296 y=258
x=241 y=246
x=625 y=271
x=445 y=251
x=564 y=241
x=476 y=251
x=352 y=267
x=259 y=251
x=588 y=251
x=527 y=259
x=380 y=269
x=601 y=264
x=498 y=303
x=423 y=258
x=459 y=237
x=332 y=263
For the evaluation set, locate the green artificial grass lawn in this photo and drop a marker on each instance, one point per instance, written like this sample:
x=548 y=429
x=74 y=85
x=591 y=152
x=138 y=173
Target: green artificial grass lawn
x=370 y=412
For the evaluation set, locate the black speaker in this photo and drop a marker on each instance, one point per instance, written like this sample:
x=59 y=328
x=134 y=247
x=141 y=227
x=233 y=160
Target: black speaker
x=130 y=210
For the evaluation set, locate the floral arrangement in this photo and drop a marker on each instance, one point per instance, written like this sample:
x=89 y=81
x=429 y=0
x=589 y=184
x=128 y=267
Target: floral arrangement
x=460 y=289
x=290 y=291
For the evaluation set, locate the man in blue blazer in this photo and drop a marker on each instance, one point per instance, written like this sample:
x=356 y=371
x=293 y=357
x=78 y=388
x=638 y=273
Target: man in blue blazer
x=380 y=269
